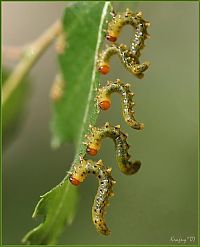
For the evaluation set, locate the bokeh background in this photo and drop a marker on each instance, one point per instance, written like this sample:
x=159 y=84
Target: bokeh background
x=158 y=204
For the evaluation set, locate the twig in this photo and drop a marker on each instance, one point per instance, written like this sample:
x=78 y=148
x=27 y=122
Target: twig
x=30 y=56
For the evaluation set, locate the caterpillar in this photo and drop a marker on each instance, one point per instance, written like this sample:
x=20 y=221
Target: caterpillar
x=136 y=20
x=104 y=102
x=79 y=173
x=121 y=145
x=128 y=59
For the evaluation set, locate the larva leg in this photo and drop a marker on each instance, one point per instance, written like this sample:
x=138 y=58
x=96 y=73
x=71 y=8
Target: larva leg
x=104 y=101
x=106 y=182
x=121 y=145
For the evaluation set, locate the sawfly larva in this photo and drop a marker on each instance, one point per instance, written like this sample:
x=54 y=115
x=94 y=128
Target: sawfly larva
x=78 y=174
x=128 y=59
x=121 y=146
x=134 y=19
x=104 y=101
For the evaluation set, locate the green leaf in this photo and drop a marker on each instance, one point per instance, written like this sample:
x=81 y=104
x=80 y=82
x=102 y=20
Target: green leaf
x=77 y=109
x=12 y=110
x=58 y=206
x=74 y=111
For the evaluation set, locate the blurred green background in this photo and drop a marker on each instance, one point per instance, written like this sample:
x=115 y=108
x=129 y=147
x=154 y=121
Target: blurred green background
x=161 y=201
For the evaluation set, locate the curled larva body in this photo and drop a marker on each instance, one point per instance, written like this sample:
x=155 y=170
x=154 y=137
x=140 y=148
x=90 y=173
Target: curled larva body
x=134 y=19
x=80 y=172
x=128 y=59
x=121 y=145
x=104 y=101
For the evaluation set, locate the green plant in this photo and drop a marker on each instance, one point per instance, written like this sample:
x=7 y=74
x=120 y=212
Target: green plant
x=70 y=118
x=160 y=203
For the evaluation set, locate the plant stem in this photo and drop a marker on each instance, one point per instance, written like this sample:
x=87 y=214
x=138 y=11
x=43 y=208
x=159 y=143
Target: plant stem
x=31 y=54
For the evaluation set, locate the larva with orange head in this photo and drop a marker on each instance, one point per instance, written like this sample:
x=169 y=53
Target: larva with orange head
x=79 y=172
x=134 y=19
x=128 y=59
x=121 y=145
x=104 y=101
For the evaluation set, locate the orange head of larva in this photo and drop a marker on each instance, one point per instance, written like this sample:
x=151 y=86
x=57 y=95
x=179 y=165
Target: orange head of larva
x=104 y=105
x=74 y=181
x=104 y=69
x=111 y=38
x=91 y=151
